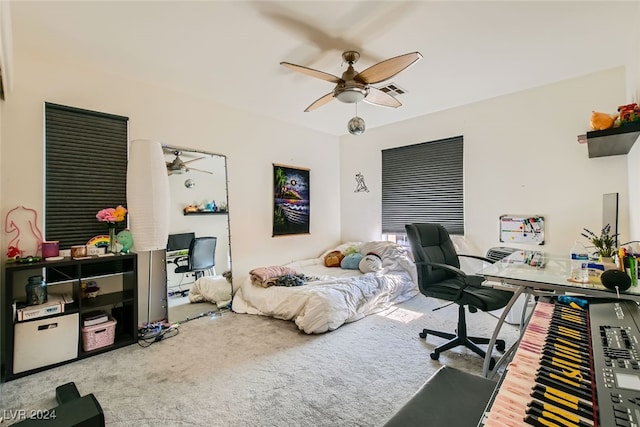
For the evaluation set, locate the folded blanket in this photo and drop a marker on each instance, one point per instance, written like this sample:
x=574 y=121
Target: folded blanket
x=263 y=276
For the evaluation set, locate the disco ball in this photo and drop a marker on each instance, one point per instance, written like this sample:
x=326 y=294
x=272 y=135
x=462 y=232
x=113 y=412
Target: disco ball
x=189 y=183
x=356 y=126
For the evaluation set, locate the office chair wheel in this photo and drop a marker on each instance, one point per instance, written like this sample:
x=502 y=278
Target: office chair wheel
x=500 y=345
x=422 y=334
x=436 y=355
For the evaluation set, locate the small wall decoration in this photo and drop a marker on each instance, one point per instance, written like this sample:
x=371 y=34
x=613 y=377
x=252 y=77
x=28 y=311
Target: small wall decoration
x=21 y=223
x=522 y=229
x=360 y=185
x=290 y=200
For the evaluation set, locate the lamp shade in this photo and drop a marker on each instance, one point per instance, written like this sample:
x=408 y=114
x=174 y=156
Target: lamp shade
x=147 y=195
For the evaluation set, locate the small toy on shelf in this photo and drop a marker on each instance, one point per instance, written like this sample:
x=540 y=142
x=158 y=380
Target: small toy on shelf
x=190 y=208
x=125 y=239
x=629 y=113
x=13 y=253
x=90 y=289
x=602 y=121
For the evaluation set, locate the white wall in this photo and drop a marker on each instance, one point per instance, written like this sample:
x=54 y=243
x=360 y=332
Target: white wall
x=521 y=156
x=251 y=143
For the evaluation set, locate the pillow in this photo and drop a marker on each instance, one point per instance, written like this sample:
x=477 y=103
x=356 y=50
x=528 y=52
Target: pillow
x=351 y=261
x=333 y=259
x=370 y=263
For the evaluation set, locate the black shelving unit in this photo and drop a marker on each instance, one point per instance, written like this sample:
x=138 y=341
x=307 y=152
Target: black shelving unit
x=121 y=304
x=612 y=142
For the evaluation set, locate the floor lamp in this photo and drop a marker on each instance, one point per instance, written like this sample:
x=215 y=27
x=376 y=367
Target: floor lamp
x=148 y=201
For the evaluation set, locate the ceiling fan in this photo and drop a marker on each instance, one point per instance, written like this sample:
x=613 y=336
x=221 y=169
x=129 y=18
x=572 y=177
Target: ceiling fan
x=178 y=166
x=356 y=86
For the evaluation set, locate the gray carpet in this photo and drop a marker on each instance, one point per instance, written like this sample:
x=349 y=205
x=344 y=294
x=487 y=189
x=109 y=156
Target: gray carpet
x=246 y=370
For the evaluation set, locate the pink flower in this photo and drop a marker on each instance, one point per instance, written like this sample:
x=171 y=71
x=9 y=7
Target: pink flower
x=112 y=215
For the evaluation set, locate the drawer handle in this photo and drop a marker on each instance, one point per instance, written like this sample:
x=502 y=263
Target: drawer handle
x=49 y=326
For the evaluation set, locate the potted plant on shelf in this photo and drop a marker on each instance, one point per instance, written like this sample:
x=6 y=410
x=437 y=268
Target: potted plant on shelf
x=605 y=243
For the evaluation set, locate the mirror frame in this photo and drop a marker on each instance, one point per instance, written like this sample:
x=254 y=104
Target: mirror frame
x=187 y=150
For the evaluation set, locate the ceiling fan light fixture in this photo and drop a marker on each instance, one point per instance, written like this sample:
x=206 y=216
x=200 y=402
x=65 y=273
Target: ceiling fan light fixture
x=351 y=95
x=351 y=92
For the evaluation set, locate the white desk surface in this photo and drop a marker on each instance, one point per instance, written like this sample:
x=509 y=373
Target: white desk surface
x=553 y=275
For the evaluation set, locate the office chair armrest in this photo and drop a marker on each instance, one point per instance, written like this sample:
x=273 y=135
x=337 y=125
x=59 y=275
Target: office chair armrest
x=448 y=267
x=459 y=273
x=481 y=258
x=180 y=259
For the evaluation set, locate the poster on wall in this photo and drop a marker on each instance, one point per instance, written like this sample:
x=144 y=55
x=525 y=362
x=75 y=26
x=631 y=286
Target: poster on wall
x=290 y=200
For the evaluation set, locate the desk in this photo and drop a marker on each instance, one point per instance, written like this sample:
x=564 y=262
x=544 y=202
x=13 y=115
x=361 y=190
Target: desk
x=512 y=273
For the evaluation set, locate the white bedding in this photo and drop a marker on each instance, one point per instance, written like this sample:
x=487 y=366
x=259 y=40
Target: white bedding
x=338 y=296
x=214 y=289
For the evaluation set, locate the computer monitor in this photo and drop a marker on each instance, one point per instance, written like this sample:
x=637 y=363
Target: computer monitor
x=180 y=242
x=610 y=213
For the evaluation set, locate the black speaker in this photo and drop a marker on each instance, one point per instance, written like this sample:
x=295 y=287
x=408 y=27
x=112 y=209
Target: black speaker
x=612 y=279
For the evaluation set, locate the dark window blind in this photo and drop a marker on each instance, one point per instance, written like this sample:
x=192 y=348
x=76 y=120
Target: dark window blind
x=423 y=183
x=85 y=171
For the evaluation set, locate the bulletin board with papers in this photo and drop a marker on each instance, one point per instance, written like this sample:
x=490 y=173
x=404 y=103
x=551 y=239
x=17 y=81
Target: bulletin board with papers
x=522 y=229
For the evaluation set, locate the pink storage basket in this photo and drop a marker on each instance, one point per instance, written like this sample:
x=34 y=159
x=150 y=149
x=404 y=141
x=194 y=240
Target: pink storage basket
x=100 y=335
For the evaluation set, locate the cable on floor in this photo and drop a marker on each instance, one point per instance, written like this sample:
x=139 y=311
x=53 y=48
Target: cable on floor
x=155 y=332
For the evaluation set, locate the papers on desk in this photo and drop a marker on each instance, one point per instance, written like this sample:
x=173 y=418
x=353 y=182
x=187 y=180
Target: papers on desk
x=532 y=258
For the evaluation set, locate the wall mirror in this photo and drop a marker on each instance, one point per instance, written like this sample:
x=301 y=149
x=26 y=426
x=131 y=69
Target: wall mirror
x=199 y=209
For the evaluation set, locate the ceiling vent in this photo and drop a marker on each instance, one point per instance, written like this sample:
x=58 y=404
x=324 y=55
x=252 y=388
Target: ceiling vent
x=393 y=89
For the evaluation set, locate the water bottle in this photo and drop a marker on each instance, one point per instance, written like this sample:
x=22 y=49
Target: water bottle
x=579 y=263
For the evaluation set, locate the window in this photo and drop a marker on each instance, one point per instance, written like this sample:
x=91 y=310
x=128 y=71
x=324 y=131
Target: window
x=85 y=171
x=423 y=183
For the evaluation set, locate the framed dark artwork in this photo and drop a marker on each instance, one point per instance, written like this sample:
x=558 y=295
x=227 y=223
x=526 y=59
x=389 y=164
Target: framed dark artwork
x=290 y=200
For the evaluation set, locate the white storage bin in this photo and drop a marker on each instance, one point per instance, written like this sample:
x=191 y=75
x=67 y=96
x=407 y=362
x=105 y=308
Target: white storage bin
x=43 y=342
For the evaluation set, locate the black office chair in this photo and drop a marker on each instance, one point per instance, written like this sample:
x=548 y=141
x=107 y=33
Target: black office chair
x=439 y=276
x=201 y=257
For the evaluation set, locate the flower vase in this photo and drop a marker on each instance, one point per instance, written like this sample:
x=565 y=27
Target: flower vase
x=608 y=262
x=112 y=248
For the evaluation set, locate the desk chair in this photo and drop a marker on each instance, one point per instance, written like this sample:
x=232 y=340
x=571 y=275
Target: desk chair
x=201 y=257
x=439 y=276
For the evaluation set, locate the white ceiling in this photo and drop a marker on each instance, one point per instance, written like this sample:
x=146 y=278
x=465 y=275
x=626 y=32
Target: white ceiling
x=230 y=51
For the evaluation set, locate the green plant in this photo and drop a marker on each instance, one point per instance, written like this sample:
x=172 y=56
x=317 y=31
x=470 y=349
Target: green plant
x=605 y=243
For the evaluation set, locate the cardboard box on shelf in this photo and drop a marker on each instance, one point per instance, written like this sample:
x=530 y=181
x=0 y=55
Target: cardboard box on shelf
x=54 y=305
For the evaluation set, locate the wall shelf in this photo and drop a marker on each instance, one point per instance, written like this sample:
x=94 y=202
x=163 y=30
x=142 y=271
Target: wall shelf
x=205 y=213
x=611 y=142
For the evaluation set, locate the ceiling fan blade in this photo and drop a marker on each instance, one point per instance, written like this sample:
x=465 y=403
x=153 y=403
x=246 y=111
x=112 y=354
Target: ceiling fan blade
x=320 y=102
x=378 y=97
x=386 y=69
x=192 y=160
x=313 y=73
x=201 y=170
